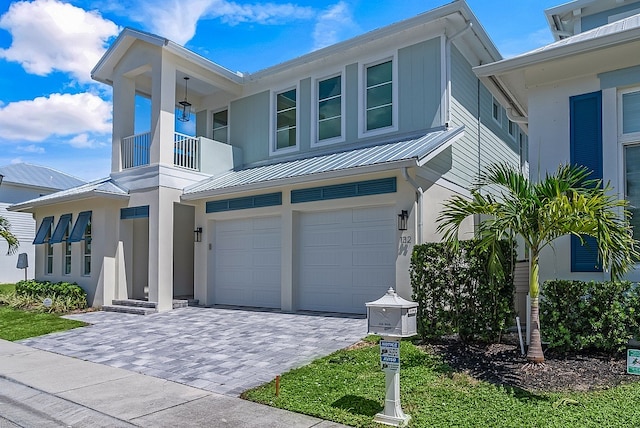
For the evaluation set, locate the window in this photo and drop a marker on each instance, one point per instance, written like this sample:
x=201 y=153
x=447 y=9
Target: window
x=632 y=185
x=631 y=112
x=512 y=128
x=48 y=267
x=379 y=96
x=495 y=110
x=67 y=252
x=329 y=109
x=286 y=119
x=221 y=126
x=86 y=250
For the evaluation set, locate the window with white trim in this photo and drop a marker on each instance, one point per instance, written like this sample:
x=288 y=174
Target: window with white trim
x=66 y=268
x=286 y=119
x=329 y=109
x=221 y=126
x=495 y=110
x=48 y=267
x=630 y=101
x=86 y=250
x=512 y=128
x=629 y=110
x=378 y=97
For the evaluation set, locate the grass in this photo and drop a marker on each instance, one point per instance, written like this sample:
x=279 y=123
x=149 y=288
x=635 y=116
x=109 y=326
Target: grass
x=348 y=387
x=16 y=324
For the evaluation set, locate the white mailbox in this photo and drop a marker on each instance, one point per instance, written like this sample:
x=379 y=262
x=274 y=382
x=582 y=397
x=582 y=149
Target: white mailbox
x=392 y=316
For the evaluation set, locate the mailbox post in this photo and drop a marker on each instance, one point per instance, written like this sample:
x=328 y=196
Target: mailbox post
x=391 y=317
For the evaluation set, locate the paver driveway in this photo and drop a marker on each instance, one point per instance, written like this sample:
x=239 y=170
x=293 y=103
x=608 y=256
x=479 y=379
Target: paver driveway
x=221 y=350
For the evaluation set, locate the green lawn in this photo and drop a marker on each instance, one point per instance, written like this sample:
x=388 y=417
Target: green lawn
x=348 y=387
x=16 y=324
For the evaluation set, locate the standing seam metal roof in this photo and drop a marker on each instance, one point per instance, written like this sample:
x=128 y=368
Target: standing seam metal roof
x=38 y=176
x=417 y=148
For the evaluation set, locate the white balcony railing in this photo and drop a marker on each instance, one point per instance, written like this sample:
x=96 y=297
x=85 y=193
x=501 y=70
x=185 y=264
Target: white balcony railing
x=136 y=150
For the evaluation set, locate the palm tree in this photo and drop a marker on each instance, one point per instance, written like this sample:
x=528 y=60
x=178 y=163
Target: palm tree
x=8 y=236
x=565 y=203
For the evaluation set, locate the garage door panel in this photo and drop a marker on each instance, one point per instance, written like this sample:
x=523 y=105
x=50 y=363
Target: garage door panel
x=247 y=262
x=346 y=258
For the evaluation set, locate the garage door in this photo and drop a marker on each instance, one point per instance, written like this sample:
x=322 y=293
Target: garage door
x=347 y=258
x=247 y=262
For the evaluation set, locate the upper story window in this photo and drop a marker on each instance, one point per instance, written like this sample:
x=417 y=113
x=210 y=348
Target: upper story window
x=221 y=126
x=495 y=110
x=329 y=109
x=512 y=129
x=286 y=120
x=630 y=101
x=379 y=96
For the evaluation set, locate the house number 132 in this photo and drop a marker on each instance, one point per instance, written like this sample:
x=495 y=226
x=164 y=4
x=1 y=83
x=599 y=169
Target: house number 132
x=405 y=240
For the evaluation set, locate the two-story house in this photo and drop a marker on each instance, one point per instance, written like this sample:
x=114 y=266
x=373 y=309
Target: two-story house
x=22 y=182
x=581 y=97
x=306 y=184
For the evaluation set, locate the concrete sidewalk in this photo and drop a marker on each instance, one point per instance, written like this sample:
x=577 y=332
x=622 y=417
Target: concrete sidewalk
x=43 y=389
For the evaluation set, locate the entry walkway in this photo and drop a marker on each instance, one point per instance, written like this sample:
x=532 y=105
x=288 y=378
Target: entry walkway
x=225 y=351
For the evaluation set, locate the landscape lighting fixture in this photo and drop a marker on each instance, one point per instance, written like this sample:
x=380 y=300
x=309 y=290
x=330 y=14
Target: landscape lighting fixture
x=186 y=105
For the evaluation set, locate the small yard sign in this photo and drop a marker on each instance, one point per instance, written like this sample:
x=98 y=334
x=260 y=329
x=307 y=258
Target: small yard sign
x=633 y=361
x=390 y=355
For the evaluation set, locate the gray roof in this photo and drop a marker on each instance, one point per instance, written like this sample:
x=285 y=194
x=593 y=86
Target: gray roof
x=39 y=176
x=104 y=187
x=418 y=149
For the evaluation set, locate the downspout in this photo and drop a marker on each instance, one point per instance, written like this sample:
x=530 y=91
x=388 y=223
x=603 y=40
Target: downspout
x=447 y=61
x=419 y=198
x=515 y=118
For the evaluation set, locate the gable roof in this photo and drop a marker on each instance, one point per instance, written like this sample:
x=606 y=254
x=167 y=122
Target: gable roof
x=391 y=155
x=104 y=187
x=38 y=176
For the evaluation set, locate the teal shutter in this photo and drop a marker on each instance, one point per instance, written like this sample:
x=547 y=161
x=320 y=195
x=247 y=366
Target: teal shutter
x=43 y=230
x=585 y=137
x=77 y=234
x=61 y=228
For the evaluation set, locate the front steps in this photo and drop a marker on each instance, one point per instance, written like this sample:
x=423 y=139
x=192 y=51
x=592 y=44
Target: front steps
x=144 y=307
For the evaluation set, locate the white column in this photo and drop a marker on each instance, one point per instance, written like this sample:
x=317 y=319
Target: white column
x=124 y=94
x=163 y=101
x=161 y=249
x=287 y=302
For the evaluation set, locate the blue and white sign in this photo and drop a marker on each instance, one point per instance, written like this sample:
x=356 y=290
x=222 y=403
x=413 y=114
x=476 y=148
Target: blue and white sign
x=390 y=355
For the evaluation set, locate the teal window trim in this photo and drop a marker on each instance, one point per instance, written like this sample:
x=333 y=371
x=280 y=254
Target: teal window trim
x=43 y=230
x=347 y=190
x=134 y=212
x=60 y=230
x=248 y=202
x=77 y=233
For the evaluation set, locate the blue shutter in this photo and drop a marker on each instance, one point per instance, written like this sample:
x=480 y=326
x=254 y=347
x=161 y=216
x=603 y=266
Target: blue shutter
x=585 y=138
x=266 y=200
x=347 y=190
x=134 y=212
x=43 y=230
x=61 y=228
x=77 y=234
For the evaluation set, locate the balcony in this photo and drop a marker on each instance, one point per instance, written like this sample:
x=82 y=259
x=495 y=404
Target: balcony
x=136 y=151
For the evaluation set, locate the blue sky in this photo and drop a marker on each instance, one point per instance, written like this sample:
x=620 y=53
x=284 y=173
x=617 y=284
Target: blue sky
x=53 y=114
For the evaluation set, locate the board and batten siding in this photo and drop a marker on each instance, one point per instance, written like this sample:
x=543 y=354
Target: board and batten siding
x=419 y=86
x=249 y=126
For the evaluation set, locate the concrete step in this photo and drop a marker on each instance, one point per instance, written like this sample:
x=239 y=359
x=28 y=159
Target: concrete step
x=135 y=303
x=137 y=310
x=183 y=303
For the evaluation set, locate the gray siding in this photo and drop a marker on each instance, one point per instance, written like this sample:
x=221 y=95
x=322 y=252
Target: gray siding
x=351 y=100
x=599 y=19
x=304 y=115
x=249 y=126
x=419 y=90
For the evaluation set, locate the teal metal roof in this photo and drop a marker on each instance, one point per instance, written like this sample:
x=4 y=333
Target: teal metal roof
x=39 y=176
x=413 y=148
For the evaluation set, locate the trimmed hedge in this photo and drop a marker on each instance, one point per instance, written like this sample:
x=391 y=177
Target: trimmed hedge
x=601 y=316
x=457 y=294
x=66 y=296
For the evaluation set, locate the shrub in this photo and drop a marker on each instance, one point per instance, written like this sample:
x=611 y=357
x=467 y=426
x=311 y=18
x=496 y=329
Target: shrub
x=65 y=296
x=457 y=294
x=579 y=315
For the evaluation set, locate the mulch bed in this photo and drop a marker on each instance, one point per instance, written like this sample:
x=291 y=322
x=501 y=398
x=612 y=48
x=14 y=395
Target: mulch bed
x=503 y=364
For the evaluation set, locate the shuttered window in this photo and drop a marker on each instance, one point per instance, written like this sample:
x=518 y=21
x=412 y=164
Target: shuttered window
x=586 y=149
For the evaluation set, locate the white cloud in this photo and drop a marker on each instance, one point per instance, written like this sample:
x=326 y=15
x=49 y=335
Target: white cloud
x=55 y=115
x=16 y=160
x=31 y=148
x=332 y=25
x=84 y=141
x=49 y=35
x=178 y=23
x=536 y=39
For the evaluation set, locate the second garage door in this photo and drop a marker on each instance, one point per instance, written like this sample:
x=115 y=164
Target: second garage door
x=247 y=262
x=347 y=257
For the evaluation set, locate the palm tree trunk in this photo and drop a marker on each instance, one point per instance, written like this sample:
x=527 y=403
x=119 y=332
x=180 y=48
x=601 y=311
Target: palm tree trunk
x=534 y=353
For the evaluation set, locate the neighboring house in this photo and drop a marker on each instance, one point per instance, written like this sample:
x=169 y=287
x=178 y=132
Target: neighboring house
x=581 y=95
x=306 y=184
x=22 y=182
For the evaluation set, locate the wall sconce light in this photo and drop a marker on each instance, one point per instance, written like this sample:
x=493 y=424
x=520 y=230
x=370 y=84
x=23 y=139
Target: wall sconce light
x=186 y=105
x=197 y=234
x=402 y=220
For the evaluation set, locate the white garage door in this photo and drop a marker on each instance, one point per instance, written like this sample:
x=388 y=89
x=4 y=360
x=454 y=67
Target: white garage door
x=347 y=258
x=247 y=262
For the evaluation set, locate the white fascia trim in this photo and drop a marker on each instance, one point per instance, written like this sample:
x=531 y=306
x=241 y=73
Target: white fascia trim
x=536 y=57
x=271 y=184
x=69 y=198
x=443 y=146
